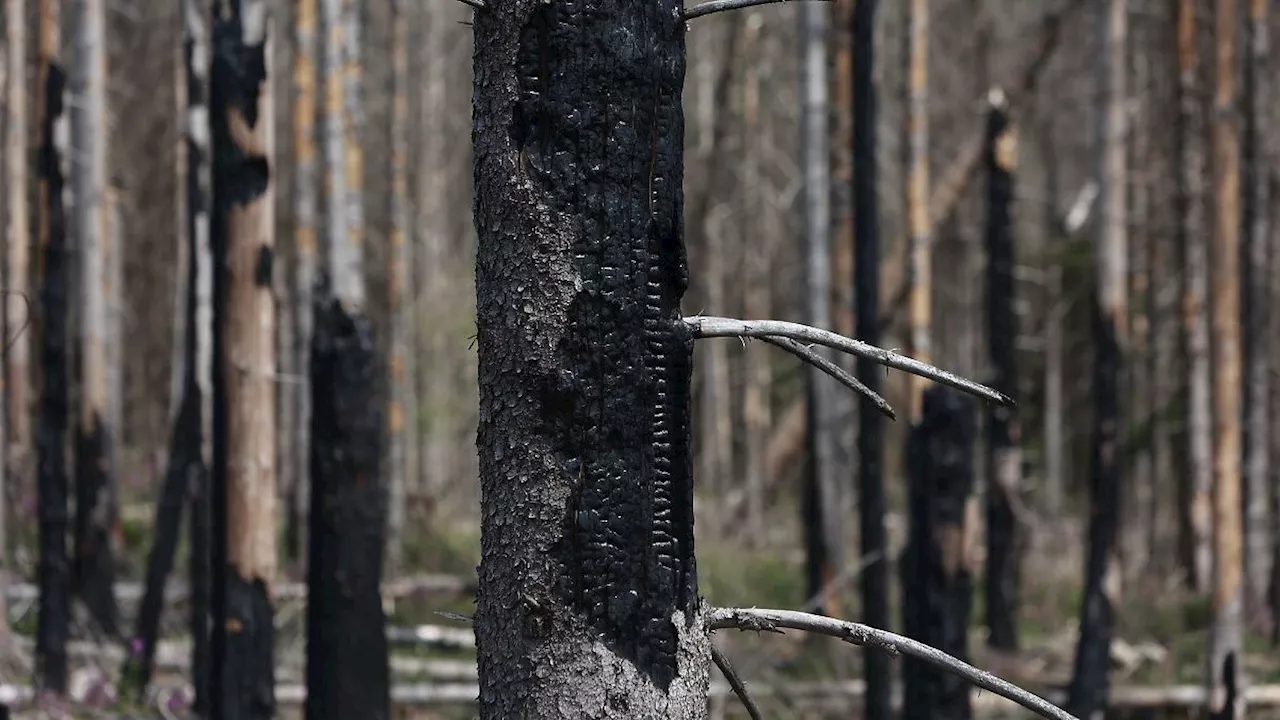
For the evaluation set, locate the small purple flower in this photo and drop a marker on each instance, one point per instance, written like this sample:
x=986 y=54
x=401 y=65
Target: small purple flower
x=136 y=646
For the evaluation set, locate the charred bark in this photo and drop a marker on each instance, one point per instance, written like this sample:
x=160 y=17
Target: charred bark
x=937 y=582
x=1004 y=462
x=53 y=623
x=243 y=480
x=587 y=577
x=93 y=567
x=347 y=669
x=1091 y=676
x=866 y=282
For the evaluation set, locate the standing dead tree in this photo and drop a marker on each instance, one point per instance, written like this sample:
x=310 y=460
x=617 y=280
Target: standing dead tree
x=401 y=409
x=1089 y=683
x=588 y=604
x=1226 y=697
x=937 y=580
x=242 y=672
x=1004 y=435
x=93 y=566
x=53 y=623
x=17 y=299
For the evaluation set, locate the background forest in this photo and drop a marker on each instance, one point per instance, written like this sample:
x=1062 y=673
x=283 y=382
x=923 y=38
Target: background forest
x=1034 y=161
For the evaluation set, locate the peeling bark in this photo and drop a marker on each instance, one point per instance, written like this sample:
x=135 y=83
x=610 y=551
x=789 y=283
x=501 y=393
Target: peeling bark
x=244 y=537
x=588 y=603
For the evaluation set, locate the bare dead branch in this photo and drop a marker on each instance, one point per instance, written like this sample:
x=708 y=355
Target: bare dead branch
x=715 y=6
x=810 y=356
x=710 y=327
x=735 y=682
x=477 y=4
x=892 y=643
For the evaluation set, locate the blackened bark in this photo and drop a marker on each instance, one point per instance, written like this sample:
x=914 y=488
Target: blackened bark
x=817 y=560
x=348 y=674
x=937 y=584
x=93 y=569
x=184 y=458
x=866 y=282
x=241 y=673
x=200 y=570
x=1003 y=432
x=52 y=488
x=588 y=603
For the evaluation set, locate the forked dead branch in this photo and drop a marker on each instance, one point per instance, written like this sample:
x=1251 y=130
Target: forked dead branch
x=706 y=8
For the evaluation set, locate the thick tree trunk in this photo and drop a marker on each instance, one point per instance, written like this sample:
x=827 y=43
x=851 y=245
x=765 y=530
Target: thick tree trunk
x=305 y=184
x=93 y=567
x=400 y=405
x=822 y=496
x=1258 y=114
x=1195 y=477
x=1226 y=696
x=242 y=672
x=1089 y=683
x=51 y=478
x=937 y=581
x=866 y=282
x=17 y=301
x=1003 y=430
x=587 y=575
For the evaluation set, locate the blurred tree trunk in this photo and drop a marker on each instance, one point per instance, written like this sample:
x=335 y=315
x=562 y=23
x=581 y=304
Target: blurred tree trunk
x=18 y=301
x=1004 y=433
x=1258 y=115
x=93 y=568
x=401 y=399
x=1055 y=440
x=1195 y=477
x=1226 y=698
x=304 y=201
x=1089 y=684
x=822 y=496
x=53 y=624
x=937 y=580
x=195 y=41
x=613 y=592
x=919 y=229
x=242 y=118
x=1139 y=420
x=866 y=282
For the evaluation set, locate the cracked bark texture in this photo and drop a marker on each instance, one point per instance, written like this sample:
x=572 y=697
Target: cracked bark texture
x=588 y=603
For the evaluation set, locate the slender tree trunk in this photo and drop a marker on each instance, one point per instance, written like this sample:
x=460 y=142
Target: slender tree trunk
x=1055 y=440
x=937 y=581
x=866 y=282
x=1257 y=317
x=305 y=184
x=93 y=568
x=241 y=115
x=1089 y=684
x=919 y=229
x=5 y=472
x=17 y=301
x=400 y=396
x=1196 y=475
x=1003 y=429
x=587 y=573
x=822 y=524
x=55 y=579
x=1138 y=521
x=1226 y=697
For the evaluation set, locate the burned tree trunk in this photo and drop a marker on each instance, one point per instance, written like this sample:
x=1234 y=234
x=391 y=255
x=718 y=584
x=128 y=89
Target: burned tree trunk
x=919 y=227
x=244 y=487
x=347 y=669
x=93 y=566
x=1257 y=317
x=937 y=582
x=1195 y=478
x=1004 y=463
x=51 y=478
x=1226 y=696
x=401 y=408
x=587 y=573
x=1089 y=683
x=866 y=282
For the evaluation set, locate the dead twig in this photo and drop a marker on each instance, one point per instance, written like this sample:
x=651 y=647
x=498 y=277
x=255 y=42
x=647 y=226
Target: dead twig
x=735 y=682
x=710 y=327
x=715 y=6
x=814 y=358
x=892 y=643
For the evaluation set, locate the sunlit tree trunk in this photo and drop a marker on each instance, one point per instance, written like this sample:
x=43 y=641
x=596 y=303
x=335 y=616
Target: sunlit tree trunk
x=18 y=302
x=1226 y=697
